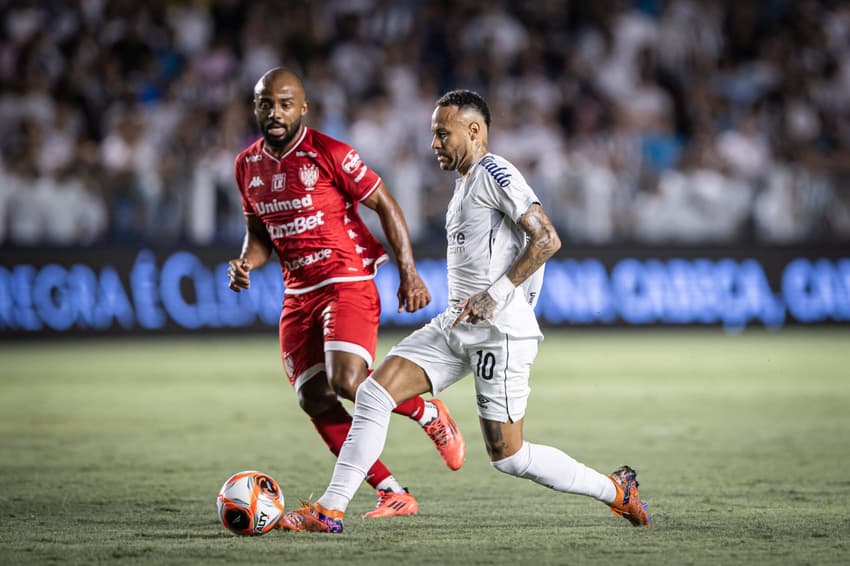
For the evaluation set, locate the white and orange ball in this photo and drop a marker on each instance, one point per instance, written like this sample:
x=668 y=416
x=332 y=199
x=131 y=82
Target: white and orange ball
x=250 y=503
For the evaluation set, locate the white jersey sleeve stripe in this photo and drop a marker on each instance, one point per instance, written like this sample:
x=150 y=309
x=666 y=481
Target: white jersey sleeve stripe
x=372 y=190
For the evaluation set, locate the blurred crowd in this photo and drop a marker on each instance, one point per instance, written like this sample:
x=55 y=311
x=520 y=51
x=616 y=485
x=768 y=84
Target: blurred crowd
x=636 y=121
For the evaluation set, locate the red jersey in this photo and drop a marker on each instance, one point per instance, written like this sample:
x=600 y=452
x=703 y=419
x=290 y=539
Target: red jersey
x=307 y=200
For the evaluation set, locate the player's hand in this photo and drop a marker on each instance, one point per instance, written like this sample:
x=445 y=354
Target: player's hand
x=237 y=272
x=412 y=292
x=476 y=308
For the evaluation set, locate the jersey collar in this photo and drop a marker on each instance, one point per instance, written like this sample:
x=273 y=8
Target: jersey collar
x=474 y=165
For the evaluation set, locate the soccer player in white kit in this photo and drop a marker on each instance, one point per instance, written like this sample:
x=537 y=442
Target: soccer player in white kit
x=499 y=238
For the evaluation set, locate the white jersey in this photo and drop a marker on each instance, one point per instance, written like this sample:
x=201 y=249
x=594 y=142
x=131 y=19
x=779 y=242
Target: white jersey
x=484 y=241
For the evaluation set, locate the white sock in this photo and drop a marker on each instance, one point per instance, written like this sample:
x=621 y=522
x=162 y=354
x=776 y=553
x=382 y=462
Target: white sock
x=550 y=467
x=429 y=414
x=390 y=484
x=373 y=406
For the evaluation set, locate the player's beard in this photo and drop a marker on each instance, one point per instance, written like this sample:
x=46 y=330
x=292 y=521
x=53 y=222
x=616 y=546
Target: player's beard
x=280 y=142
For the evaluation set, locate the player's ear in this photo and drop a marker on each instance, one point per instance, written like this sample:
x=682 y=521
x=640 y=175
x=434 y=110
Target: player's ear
x=305 y=107
x=474 y=129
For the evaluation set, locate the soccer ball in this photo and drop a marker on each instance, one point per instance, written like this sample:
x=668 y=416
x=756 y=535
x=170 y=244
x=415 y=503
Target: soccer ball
x=250 y=503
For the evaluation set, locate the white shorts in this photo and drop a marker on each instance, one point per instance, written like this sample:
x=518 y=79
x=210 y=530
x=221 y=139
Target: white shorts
x=501 y=364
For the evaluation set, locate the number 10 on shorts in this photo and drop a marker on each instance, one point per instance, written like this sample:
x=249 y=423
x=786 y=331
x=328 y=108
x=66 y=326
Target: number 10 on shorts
x=485 y=364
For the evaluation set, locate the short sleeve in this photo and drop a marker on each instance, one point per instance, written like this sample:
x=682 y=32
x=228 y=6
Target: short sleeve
x=353 y=176
x=505 y=189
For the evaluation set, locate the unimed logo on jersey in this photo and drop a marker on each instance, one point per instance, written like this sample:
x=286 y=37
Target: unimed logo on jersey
x=275 y=205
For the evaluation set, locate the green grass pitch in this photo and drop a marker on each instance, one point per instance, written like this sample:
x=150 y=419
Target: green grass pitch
x=112 y=451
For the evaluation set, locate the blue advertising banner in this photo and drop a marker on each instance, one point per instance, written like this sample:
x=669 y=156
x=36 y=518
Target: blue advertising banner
x=147 y=291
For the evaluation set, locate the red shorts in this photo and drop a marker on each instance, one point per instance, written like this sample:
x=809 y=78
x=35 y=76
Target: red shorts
x=339 y=316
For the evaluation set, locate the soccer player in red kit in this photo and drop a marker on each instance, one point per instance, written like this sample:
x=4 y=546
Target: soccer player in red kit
x=300 y=192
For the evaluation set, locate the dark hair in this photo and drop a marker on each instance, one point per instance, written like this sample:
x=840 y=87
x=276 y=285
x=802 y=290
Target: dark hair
x=461 y=98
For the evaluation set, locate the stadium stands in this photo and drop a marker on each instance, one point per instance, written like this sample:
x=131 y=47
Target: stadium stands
x=645 y=121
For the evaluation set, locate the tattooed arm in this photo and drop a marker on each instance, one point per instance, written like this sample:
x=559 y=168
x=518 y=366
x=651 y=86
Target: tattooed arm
x=543 y=243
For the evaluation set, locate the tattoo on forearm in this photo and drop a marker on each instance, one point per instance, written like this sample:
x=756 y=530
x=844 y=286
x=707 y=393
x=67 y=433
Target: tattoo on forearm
x=544 y=242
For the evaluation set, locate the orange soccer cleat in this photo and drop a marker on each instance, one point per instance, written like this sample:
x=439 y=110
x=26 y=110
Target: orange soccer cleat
x=312 y=517
x=627 y=503
x=393 y=504
x=446 y=436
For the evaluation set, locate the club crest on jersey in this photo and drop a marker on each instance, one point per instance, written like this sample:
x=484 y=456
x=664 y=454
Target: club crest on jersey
x=279 y=182
x=309 y=174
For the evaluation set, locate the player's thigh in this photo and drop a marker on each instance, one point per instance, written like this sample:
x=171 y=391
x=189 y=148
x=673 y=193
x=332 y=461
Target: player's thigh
x=349 y=319
x=502 y=440
x=430 y=349
x=401 y=378
x=301 y=345
x=346 y=371
x=502 y=366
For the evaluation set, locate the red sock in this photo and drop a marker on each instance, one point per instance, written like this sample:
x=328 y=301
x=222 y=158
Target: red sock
x=412 y=408
x=333 y=426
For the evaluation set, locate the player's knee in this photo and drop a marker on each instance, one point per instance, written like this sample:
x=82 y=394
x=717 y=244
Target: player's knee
x=372 y=397
x=316 y=401
x=345 y=388
x=516 y=464
x=345 y=381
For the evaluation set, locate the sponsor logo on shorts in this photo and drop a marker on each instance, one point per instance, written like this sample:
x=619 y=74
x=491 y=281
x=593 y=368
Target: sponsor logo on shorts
x=482 y=401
